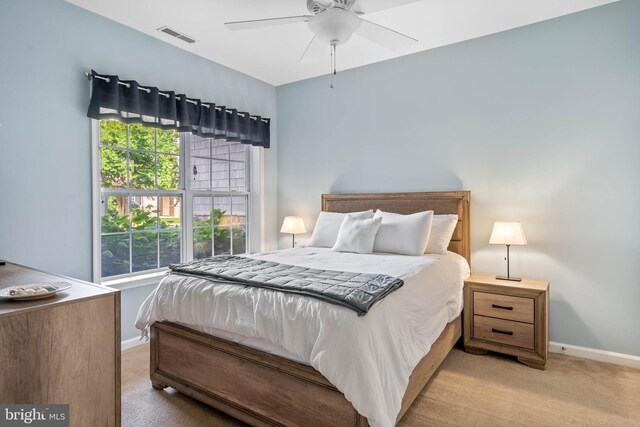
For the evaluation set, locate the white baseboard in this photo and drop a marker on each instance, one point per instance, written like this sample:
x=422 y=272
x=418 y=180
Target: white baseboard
x=132 y=342
x=595 y=354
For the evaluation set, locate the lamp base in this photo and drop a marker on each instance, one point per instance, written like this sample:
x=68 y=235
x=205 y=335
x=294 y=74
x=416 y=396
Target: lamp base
x=513 y=279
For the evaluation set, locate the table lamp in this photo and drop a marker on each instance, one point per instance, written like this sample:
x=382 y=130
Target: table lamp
x=293 y=225
x=508 y=233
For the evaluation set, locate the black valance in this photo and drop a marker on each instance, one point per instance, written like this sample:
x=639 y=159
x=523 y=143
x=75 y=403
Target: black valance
x=129 y=102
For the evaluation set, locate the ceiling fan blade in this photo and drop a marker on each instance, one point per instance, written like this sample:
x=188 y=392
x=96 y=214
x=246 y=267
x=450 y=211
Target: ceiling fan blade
x=369 y=6
x=315 y=50
x=259 y=23
x=385 y=37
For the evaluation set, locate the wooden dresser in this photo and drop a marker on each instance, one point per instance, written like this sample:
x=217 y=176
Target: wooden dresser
x=62 y=350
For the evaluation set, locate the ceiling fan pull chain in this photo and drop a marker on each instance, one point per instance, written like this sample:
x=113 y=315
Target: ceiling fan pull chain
x=335 y=59
x=333 y=64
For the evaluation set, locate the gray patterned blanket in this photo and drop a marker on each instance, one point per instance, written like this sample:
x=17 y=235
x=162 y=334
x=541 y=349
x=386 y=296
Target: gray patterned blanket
x=357 y=291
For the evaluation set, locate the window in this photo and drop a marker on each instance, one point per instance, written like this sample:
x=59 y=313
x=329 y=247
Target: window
x=152 y=213
x=219 y=181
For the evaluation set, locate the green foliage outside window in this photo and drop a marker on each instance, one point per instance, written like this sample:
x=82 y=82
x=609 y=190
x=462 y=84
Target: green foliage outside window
x=143 y=246
x=142 y=164
x=210 y=239
x=216 y=240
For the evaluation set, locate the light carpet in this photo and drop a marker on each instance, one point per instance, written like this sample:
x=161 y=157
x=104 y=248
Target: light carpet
x=467 y=390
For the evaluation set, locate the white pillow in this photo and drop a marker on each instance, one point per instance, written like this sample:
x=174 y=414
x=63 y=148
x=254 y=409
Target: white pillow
x=327 y=226
x=442 y=229
x=403 y=234
x=357 y=235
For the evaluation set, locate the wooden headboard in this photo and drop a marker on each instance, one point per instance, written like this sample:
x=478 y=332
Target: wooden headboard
x=441 y=202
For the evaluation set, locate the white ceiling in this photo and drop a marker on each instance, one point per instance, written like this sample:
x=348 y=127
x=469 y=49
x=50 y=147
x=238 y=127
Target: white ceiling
x=272 y=54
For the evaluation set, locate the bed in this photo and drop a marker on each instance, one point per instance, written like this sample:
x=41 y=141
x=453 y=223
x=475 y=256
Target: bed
x=265 y=386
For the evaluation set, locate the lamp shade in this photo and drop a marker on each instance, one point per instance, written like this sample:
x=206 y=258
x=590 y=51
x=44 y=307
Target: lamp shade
x=293 y=225
x=507 y=233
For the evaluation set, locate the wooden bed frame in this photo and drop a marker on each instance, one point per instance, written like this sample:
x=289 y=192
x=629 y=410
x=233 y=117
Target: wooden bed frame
x=266 y=390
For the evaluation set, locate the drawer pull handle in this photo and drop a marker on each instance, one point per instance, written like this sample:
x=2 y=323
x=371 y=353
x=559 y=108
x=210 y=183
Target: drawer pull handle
x=498 y=331
x=504 y=307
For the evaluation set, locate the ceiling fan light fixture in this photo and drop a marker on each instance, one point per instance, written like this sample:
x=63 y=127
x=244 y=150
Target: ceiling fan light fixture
x=334 y=26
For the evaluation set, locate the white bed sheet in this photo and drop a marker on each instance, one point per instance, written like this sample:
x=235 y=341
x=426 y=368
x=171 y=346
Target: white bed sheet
x=368 y=358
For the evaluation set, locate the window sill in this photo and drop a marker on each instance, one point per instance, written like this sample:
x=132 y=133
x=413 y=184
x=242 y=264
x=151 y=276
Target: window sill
x=135 y=281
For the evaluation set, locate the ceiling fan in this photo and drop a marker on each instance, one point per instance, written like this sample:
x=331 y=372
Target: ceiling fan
x=333 y=22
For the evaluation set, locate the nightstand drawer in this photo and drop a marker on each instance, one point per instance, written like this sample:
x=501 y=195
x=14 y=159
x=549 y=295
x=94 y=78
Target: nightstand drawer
x=503 y=306
x=503 y=331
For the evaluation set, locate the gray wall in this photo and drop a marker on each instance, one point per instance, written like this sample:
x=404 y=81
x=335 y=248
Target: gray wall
x=130 y=301
x=541 y=123
x=45 y=156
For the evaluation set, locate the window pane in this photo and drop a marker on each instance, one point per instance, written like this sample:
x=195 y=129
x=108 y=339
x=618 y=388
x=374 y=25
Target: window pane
x=144 y=212
x=113 y=172
x=239 y=210
x=200 y=173
x=202 y=211
x=142 y=169
x=199 y=147
x=113 y=133
x=169 y=209
x=221 y=240
x=144 y=253
x=202 y=243
x=221 y=210
x=239 y=236
x=220 y=149
x=238 y=176
x=115 y=254
x=168 y=141
x=238 y=152
x=115 y=214
x=168 y=172
x=220 y=175
x=170 y=247
x=142 y=138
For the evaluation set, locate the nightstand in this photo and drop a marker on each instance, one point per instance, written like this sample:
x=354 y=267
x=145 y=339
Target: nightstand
x=507 y=317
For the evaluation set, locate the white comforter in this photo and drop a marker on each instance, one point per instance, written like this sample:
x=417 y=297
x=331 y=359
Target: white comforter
x=368 y=358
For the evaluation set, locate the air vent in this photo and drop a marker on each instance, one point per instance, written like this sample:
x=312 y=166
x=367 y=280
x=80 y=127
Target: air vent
x=176 y=34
